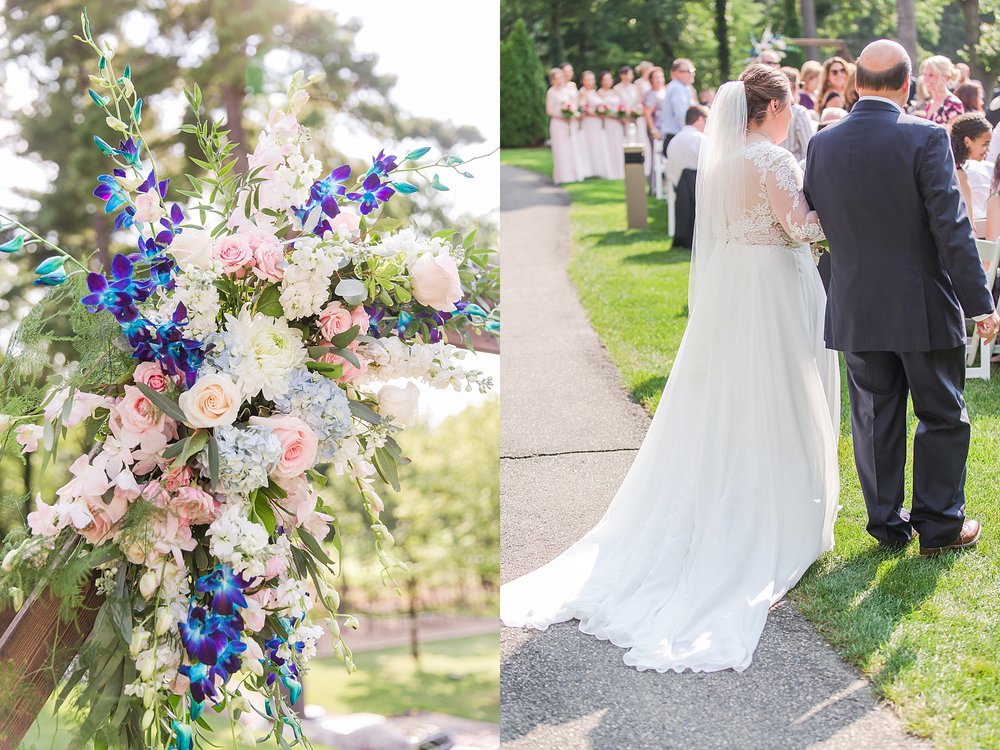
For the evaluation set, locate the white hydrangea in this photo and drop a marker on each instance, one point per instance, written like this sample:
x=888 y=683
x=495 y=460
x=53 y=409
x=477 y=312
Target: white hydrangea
x=305 y=288
x=238 y=541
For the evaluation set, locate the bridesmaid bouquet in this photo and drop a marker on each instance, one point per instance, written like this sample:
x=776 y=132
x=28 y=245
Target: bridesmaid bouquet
x=602 y=110
x=622 y=112
x=569 y=112
x=225 y=362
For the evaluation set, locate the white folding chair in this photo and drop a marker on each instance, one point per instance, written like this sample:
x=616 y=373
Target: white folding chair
x=989 y=254
x=671 y=196
x=659 y=169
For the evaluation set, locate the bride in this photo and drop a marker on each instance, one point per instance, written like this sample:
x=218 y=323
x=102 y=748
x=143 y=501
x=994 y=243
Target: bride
x=733 y=493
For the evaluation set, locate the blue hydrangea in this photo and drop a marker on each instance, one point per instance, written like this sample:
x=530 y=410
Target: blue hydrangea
x=247 y=454
x=321 y=404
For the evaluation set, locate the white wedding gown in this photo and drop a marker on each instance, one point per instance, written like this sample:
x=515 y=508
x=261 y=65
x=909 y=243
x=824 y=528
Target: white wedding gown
x=733 y=492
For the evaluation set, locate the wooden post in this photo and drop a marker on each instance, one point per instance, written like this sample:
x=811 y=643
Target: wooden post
x=485 y=343
x=36 y=648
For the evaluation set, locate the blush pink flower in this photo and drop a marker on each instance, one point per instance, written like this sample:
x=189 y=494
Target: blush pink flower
x=334 y=319
x=28 y=435
x=436 y=282
x=233 y=252
x=148 y=208
x=350 y=372
x=107 y=518
x=269 y=262
x=135 y=416
x=151 y=374
x=193 y=506
x=346 y=222
x=299 y=444
x=42 y=521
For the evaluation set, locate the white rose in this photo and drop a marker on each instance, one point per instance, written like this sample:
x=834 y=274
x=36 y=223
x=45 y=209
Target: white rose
x=192 y=248
x=399 y=403
x=436 y=283
x=214 y=401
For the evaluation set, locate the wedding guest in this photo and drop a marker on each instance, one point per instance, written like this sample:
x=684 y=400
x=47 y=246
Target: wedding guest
x=963 y=74
x=560 y=105
x=652 y=109
x=942 y=106
x=592 y=127
x=970 y=139
x=684 y=148
x=832 y=82
x=810 y=75
x=802 y=127
x=770 y=58
x=851 y=95
x=992 y=231
x=971 y=96
x=614 y=128
x=678 y=99
x=831 y=115
x=706 y=97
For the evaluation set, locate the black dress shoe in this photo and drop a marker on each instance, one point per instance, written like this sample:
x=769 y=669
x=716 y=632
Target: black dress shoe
x=966 y=538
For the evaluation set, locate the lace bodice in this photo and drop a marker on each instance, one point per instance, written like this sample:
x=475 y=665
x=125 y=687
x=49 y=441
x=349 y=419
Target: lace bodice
x=776 y=212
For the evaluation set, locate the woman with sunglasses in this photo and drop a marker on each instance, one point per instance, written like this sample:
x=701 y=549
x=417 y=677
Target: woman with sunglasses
x=832 y=84
x=942 y=105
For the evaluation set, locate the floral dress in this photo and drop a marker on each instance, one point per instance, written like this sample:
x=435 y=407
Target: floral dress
x=951 y=107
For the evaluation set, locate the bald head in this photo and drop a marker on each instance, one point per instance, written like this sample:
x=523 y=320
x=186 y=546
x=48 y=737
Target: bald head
x=884 y=70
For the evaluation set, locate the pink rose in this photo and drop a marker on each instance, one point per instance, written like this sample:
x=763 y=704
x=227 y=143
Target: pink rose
x=269 y=261
x=148 y=208
x=151 y=374
x=193 y=506
x=135 y=416
x=435 y=282
x=360 y=319
x=334 y=319
x=253 y=616
x=174 y=479
x=346 y=223
x=234 y=252
x=298 y=444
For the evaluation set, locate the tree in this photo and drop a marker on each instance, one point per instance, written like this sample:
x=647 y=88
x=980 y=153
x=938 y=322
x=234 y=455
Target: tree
x=722 y=38
x=907 y=12
x=523 y=121
x=809 y=26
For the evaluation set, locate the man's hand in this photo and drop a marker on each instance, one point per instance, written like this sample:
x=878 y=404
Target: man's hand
x=987 y=328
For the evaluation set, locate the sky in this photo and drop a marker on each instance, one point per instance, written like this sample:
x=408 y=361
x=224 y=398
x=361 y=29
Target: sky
x=445 y=55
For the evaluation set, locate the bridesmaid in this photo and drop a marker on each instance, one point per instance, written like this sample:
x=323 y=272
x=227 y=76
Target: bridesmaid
x=631 y=97
x=562 y=130
x=591 y=127
x=614 y=127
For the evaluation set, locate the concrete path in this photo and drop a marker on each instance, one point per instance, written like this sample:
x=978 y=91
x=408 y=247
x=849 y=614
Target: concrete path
x=568 y=435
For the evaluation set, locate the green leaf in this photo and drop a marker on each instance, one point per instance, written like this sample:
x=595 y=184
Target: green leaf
x=265 y=513
x=349 y=356
x=470 y=241
x=388 y=224
x=392 y=447
x=344 y=338
x=328 y=369
x=14 y=245
x=213 y=461
x=386 y=467
x=167 y=406
x=315 y=547
x=194 y=445
x=317 y=478
x=364 y=412
x=268 y=301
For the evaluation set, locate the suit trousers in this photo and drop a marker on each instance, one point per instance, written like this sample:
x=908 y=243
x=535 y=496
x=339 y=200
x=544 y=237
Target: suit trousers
x=879 y=383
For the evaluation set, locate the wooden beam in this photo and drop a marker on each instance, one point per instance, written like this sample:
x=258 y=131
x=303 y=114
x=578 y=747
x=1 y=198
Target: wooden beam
x=485 y=343
x=36 y=648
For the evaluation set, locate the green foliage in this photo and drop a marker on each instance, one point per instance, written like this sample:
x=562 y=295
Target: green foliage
x=523 y=121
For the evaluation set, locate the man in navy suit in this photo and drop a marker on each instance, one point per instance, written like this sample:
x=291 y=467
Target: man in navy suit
x=904 y=275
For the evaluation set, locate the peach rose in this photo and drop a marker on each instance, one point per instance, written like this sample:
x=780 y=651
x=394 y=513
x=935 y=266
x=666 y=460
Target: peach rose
x=298 y=444
x=335 y=319
x=233 y=252
x=193 y=506
x=435 y=282
x=360 y=319
x=213 y=401
x=151 y=374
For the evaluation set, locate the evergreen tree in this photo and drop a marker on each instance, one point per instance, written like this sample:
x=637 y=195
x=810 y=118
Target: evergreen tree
x=522 y=90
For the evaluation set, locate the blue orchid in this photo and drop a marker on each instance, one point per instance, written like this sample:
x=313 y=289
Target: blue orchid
x=373 y=193
x=324 y=193
x=202 y=637
x=202 y=685
x=226 y=588
x=228 y=662
x=111 y=192
x=382 y=165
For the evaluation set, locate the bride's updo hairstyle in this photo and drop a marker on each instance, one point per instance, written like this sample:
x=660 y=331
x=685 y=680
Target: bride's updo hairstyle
x=763 y=84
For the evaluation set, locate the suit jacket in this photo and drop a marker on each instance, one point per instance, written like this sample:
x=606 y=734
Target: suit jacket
x=903 y=260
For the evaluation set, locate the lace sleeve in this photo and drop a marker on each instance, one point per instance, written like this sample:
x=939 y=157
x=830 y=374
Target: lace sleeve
x=784 y=191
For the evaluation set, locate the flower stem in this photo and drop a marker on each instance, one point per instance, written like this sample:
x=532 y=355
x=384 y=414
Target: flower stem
x=41 y=239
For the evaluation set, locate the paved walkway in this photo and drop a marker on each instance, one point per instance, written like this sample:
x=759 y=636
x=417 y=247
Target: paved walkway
x=568 y=435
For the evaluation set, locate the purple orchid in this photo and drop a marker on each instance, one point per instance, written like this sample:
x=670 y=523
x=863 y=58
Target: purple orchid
x=226 y=588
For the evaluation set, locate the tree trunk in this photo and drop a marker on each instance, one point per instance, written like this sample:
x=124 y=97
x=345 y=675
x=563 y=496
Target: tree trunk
x=809 y=27
x=233 y=94
x=722 y=37
x=555 y=36
x=411 y=592
x=970 y=15
x=907 y=30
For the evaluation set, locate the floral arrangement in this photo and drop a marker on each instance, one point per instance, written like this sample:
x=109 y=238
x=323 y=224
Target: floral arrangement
x=602 y=110
x=569 y=112
x=622 y=112
x=250 y=326
x=768 y=42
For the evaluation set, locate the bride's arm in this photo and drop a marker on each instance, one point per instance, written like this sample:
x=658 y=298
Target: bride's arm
x=784 y=191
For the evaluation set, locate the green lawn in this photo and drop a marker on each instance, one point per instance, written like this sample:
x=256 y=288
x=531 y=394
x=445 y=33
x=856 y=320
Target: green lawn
x=926 y=631
x=460 y=677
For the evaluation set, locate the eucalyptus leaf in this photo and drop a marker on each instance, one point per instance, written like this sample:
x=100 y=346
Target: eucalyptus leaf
x=166 y=405
x=365 y=412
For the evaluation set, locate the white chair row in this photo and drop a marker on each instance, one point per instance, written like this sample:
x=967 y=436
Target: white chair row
x=662 y=188
x=989 y=254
